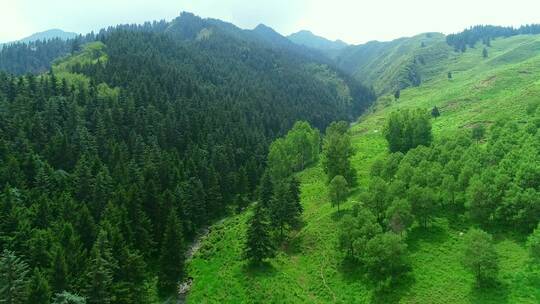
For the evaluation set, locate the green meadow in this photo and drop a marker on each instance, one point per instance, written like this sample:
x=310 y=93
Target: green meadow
x=310 y=269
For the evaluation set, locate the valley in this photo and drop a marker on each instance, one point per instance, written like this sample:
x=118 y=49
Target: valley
x=192 y=160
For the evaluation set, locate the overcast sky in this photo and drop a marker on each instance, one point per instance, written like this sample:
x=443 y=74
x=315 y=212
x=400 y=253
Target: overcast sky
x=354 y=21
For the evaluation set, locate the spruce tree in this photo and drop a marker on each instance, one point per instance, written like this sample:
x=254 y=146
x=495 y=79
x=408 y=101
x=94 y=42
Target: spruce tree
x=295 y=200
x=435 y=112
x=39 y=291
x=266 y=190
x=13 y=279
x=59 y=276
x=171 y=260
x=68 y=298
x=100 y=272
x=259 y=245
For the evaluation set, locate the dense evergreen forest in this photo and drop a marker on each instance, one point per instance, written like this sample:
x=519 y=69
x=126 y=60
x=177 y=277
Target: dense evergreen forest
x=486 y=33
x=113 y=159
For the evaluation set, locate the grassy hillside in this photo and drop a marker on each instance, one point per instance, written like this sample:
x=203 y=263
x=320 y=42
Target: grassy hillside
x=399 y=63
x=309 y=269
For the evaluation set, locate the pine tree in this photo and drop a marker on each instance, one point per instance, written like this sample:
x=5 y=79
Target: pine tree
x=280 y=208
x=285 y=208
x=266 y=190
x=295 y=200
x=100 y=272
x=59 y=276
x=39 y=291
x=435 y=112
x=13 y=279
x=259 y=245
x=171 y=261
x=397 y=94
x=68 y=298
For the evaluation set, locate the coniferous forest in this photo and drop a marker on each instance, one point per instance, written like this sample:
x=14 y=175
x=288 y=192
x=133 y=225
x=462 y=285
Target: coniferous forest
x=110 y=170
x=192 y=160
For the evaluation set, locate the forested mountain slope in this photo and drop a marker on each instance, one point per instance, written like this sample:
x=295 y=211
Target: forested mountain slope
x=307 y=38
x=112 y=161
x=397 y=64
x=481 y=170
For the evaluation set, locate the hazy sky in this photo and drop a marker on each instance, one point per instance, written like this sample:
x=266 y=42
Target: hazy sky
x=352 y=21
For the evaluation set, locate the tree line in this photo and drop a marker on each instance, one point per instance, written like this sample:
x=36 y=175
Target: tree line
x=486 y=33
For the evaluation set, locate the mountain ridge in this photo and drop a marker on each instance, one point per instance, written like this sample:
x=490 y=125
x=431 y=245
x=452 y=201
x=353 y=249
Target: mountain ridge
x=45 y=35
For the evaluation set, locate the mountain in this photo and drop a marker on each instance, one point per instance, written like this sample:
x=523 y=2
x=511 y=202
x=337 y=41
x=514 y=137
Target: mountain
x=307 y=38
x=481 y=170
x=34 y=54
x=45 y=35
x=49 y=34
x=117 y=156
x=395 y=64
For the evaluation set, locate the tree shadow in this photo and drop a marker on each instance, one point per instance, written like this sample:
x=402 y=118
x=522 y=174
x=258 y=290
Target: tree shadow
x=351 y=270
x=389 y=291
x=293 y=246
x=336 y=216
x=496 y=292
x=257 y=270
x=394 y=291
x=432 y=234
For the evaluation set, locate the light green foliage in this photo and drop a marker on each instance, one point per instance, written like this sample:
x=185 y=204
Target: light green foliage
x=356 y=231
x=385 y=256
x=399 y=216
x=338 y=190
x=68 y=298
x=407 y=129
x=480 y=256
x=337 y=150
x=376 y=197
x=68 y=68
x=92 y=53
x=304 y=142
x=292 y=153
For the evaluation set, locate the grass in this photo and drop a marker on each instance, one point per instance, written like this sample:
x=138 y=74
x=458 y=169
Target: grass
x=309 y=269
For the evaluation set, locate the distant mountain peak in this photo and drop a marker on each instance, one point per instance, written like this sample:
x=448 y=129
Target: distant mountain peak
x=49 y=34
x=265 y=28
x=309 y=39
